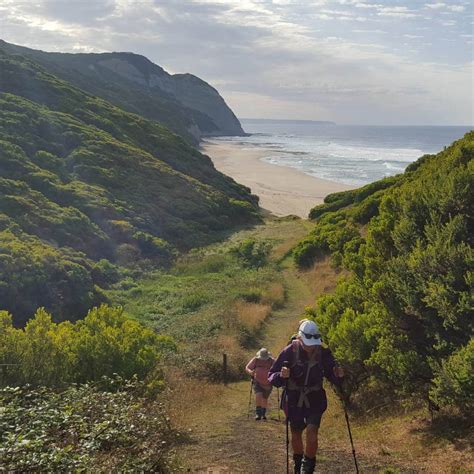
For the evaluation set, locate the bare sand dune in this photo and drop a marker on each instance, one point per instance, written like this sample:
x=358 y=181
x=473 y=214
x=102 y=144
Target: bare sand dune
x=282 y=190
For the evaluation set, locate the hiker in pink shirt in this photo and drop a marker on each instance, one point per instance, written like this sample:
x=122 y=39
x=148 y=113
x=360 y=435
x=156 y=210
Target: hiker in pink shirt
x=258 y=369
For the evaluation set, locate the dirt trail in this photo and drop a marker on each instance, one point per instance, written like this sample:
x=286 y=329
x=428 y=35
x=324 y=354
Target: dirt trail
x=226 y=439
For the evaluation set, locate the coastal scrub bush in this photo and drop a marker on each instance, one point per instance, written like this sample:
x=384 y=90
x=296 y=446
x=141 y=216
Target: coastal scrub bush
x=252 y=253
x=453 y=383
x=34 y=274
x=84 y=428
x=404 y=315
x=52 y=354
x=330 y=236
x=154 y=247
x=105 y=273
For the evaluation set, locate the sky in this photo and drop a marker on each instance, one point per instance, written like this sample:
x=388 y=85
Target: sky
x=380 y=62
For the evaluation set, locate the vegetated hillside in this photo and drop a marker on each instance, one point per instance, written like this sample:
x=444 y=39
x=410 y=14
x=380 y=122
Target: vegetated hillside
x=182 y=102
x=62 y=381
x=403 y=321
x=81 y=181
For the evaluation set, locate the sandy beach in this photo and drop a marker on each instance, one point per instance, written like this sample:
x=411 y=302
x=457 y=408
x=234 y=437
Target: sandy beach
x=282 y=190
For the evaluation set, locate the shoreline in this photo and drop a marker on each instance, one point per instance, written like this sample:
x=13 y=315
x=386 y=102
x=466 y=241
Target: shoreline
x=282 y=190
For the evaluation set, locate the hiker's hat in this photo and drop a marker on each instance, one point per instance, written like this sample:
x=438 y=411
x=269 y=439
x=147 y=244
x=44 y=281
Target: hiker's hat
x=263 y=354
x=309 y=333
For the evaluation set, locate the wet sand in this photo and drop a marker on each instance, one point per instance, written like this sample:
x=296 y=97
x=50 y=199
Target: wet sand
x=282 y=190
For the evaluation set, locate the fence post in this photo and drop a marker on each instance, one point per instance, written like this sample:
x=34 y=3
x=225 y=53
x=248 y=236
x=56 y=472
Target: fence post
x=224 y=368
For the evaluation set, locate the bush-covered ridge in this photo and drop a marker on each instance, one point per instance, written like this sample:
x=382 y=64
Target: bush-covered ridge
x=82 y=180
x=182 y=102
x=403 y=320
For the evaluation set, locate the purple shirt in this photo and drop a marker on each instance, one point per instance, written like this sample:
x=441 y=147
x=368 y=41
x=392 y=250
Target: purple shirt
x=317 y=399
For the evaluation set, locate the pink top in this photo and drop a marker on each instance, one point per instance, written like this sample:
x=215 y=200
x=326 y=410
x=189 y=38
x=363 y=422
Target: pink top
x=261 y=367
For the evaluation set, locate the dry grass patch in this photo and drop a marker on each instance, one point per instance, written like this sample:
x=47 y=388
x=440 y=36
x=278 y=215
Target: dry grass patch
x=252 y=315
x=322 y=277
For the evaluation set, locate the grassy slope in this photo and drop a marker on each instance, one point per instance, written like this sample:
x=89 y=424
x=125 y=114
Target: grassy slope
x=81 y=177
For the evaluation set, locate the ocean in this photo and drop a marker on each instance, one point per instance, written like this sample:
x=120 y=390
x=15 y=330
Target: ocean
x=354 y=155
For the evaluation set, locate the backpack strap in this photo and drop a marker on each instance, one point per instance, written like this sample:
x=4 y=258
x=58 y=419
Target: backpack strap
x=295 y=347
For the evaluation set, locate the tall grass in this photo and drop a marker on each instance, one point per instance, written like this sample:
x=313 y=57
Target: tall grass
x=252 y=315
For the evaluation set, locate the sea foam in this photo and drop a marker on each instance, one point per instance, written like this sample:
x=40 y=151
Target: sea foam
x=354 y=155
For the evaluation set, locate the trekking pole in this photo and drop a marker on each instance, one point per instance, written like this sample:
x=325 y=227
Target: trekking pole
x=250 y=398
x=349 y=430
x=285 y=364
x=278 y=406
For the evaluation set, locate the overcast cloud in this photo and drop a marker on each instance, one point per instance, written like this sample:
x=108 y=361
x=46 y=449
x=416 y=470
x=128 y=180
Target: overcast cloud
x=351 y=61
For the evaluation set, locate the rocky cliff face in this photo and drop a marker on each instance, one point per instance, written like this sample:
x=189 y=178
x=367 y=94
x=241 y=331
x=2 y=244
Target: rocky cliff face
x=184 y=103
x=187 y=89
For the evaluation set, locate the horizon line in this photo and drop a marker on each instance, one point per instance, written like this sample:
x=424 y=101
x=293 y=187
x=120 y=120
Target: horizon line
x=332 y=122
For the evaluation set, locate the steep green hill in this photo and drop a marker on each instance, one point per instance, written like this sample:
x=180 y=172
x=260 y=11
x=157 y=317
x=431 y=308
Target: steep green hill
x=182 y=102
x=82 y=180
x=403 y=320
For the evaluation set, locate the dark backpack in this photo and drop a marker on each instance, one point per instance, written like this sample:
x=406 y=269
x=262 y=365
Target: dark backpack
x=305 y=389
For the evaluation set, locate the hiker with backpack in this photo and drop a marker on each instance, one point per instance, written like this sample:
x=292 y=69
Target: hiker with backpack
x=258 y=369
x=300 y=368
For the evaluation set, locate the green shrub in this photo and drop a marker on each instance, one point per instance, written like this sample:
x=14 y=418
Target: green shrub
x=34 y=274
x=84 y=429
x=194 y=301
x=252 y=253
x=250 y=295
x=105 y=273
x=127 y=254
x=105 y=342
x=307 y=252
x=153 y=247
x=368 y=208
x=454 y=382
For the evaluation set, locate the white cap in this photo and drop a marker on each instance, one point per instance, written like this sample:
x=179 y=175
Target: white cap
x=307 y=330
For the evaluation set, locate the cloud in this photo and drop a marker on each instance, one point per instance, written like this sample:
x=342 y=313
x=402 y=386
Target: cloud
x=445 y=6
x=456 y=8
x=448 y=22
x=367 y=5
x=381 y=32
x=272 y=58
x=435 y=6
x=399 y=12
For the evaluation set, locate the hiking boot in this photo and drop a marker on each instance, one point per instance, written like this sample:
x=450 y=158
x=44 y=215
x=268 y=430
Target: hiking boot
x=297 y=458
x=258 y=413
x=264 y=414
x=308 y=465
